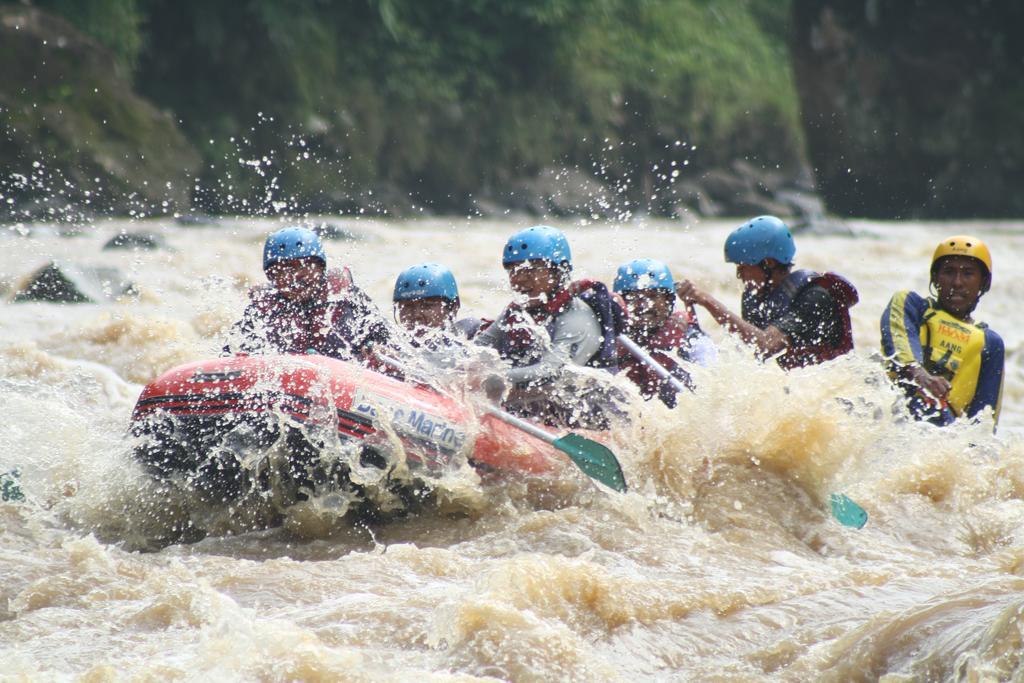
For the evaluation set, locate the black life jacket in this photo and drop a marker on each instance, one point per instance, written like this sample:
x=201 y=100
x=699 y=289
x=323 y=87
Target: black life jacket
x=762 y=313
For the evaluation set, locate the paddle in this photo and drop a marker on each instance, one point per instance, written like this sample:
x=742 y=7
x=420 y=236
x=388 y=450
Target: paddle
x=595 y=460
x=649 y=361
x=844 y=509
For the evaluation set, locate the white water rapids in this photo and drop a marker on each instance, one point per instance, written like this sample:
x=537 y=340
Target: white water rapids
x=721 y=562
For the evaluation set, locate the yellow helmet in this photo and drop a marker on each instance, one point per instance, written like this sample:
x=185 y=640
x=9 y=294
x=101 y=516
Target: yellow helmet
x=963 y=245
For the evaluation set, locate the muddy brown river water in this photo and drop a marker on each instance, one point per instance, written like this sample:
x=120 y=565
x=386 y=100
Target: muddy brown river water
x=721 y=563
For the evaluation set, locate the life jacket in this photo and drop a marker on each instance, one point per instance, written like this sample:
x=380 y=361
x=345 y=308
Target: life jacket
x=952 y=349
x=521 y=345
x=663 y=347
x=609 y=312
x=468 y=327
x=781 y=298
x=339 y=281
x=337 y=321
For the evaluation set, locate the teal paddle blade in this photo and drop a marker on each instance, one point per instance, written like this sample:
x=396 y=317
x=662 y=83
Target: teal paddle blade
x=846 y=511
x=596 y=461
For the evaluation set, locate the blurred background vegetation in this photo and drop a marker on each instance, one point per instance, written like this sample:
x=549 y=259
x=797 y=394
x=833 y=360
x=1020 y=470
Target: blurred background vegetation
x=345 y=105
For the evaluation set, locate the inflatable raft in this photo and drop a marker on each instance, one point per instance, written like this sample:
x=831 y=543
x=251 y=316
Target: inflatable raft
x=209 y=423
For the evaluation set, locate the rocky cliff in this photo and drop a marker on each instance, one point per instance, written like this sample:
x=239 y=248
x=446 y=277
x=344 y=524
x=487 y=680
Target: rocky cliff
x=75 y=139
x=913 y=108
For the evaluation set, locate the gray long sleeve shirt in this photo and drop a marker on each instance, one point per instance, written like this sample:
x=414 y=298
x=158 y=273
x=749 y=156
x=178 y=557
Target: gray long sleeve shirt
x=575 y=337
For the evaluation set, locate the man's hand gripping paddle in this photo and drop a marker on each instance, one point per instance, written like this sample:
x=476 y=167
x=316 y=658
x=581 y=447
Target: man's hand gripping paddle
x=649 y=361
x=845 y=510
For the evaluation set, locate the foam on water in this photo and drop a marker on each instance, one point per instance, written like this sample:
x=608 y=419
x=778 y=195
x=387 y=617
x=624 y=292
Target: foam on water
x=722 y=560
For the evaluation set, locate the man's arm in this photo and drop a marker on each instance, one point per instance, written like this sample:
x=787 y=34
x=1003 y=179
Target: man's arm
x=768 y=342
x=576 y=338
x=901 y=341
x=247 y=335
x=900 y=328
x=491 y=334
x=359 y=328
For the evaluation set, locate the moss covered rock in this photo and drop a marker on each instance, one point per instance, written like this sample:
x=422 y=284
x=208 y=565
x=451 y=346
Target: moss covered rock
x=74 y=138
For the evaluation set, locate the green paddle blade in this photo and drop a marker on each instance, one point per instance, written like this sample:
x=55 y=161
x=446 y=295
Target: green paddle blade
x=596 y=461
x=847 y=512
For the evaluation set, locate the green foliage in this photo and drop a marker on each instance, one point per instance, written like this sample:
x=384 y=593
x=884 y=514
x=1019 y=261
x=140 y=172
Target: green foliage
x=449 y=97
x=702 y=73
x=116 y=24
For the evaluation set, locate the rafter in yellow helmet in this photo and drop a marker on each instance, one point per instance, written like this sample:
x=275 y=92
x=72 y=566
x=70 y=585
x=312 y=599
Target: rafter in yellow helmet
x=963 y=245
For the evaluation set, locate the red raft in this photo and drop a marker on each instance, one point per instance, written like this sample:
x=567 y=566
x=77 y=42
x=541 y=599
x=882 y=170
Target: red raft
x=201 y=421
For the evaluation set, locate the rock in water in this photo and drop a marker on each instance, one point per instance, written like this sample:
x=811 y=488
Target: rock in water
x=10 y=490
x=330 y=231
x=136 y=241
x=198 y=220
x=73 y=284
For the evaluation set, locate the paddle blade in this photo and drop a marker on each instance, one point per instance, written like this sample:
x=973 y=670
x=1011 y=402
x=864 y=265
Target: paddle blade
x=596 y=460
x=847 y=512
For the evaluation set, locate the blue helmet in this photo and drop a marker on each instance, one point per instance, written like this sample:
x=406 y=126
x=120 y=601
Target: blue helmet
x=760 y=238
x=292 y=243
x=538 y=242
x=643 y=273
x=425 y=280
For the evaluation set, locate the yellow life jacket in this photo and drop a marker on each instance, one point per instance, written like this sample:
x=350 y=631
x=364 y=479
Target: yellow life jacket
x=952 y=349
